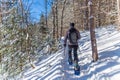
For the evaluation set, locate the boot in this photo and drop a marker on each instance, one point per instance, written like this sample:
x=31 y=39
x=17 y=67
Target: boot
x=70 y=61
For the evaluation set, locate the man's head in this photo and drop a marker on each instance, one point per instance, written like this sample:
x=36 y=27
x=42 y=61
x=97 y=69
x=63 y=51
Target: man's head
x=72 y=25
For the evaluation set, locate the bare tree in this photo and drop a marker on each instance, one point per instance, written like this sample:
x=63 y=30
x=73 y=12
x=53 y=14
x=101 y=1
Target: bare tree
x=92 y=30
x=46 y=12
x=118 y=10
x=62 y=16
x=0 y=31
x=0 y=12
x=86 y=16
x=54 y=20
x=57 y=31
x=99 y=20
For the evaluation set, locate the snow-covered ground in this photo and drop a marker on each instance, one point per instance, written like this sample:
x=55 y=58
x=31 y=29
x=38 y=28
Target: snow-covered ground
x=107 y=67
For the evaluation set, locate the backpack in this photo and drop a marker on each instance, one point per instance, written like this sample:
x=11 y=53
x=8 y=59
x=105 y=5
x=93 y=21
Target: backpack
x=72 y=36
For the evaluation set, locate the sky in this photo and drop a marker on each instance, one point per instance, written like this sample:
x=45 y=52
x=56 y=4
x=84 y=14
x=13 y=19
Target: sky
x=37 y=8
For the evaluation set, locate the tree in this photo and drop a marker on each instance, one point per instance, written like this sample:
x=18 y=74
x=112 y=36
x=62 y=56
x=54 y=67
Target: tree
x=46 y=12
x=57 y=31
x=91 y=4
x=17 y=50
x=62 y=16
x=118 y=10
x=43 y=28
x=53 y=21
x=86 y=16
x=78 y=17
x=99 y=15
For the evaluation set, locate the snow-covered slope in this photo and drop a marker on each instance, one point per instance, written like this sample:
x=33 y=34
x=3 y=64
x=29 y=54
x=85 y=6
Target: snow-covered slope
x=55 y=67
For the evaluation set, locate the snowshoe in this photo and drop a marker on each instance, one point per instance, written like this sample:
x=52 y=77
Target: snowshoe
x=76 y=69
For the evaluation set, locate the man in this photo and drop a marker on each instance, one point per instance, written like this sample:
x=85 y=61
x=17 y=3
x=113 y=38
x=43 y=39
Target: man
x=72 y=35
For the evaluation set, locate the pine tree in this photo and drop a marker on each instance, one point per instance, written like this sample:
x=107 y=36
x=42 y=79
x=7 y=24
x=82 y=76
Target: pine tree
x=43 y=28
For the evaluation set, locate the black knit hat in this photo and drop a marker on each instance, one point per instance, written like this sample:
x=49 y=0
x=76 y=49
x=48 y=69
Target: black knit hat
x=72 y=24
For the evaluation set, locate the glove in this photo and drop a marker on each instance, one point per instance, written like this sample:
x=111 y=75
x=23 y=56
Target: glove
x=64 y=45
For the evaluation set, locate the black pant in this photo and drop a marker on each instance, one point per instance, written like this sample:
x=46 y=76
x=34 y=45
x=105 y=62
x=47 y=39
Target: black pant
x=74 y=48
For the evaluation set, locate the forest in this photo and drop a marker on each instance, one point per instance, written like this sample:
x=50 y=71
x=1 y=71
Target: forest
x=24 y=41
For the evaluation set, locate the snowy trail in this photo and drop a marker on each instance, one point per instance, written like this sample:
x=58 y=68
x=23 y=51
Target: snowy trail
x=55 y=67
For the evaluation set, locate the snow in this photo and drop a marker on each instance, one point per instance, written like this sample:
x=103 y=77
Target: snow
x=55 y=67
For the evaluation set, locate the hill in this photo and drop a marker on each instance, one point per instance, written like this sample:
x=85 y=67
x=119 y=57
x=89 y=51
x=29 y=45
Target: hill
x=55 y=67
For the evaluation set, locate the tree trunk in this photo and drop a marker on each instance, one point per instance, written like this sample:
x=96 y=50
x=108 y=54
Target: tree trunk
x=92 y=30
x=0 y=14
x=99 y=20
x=78 y=17
x=53 y=12
x=57 y=32
x=63 y=8
x=0 y=33
x=46 y=12
x=118 y=8
x=86 y=15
